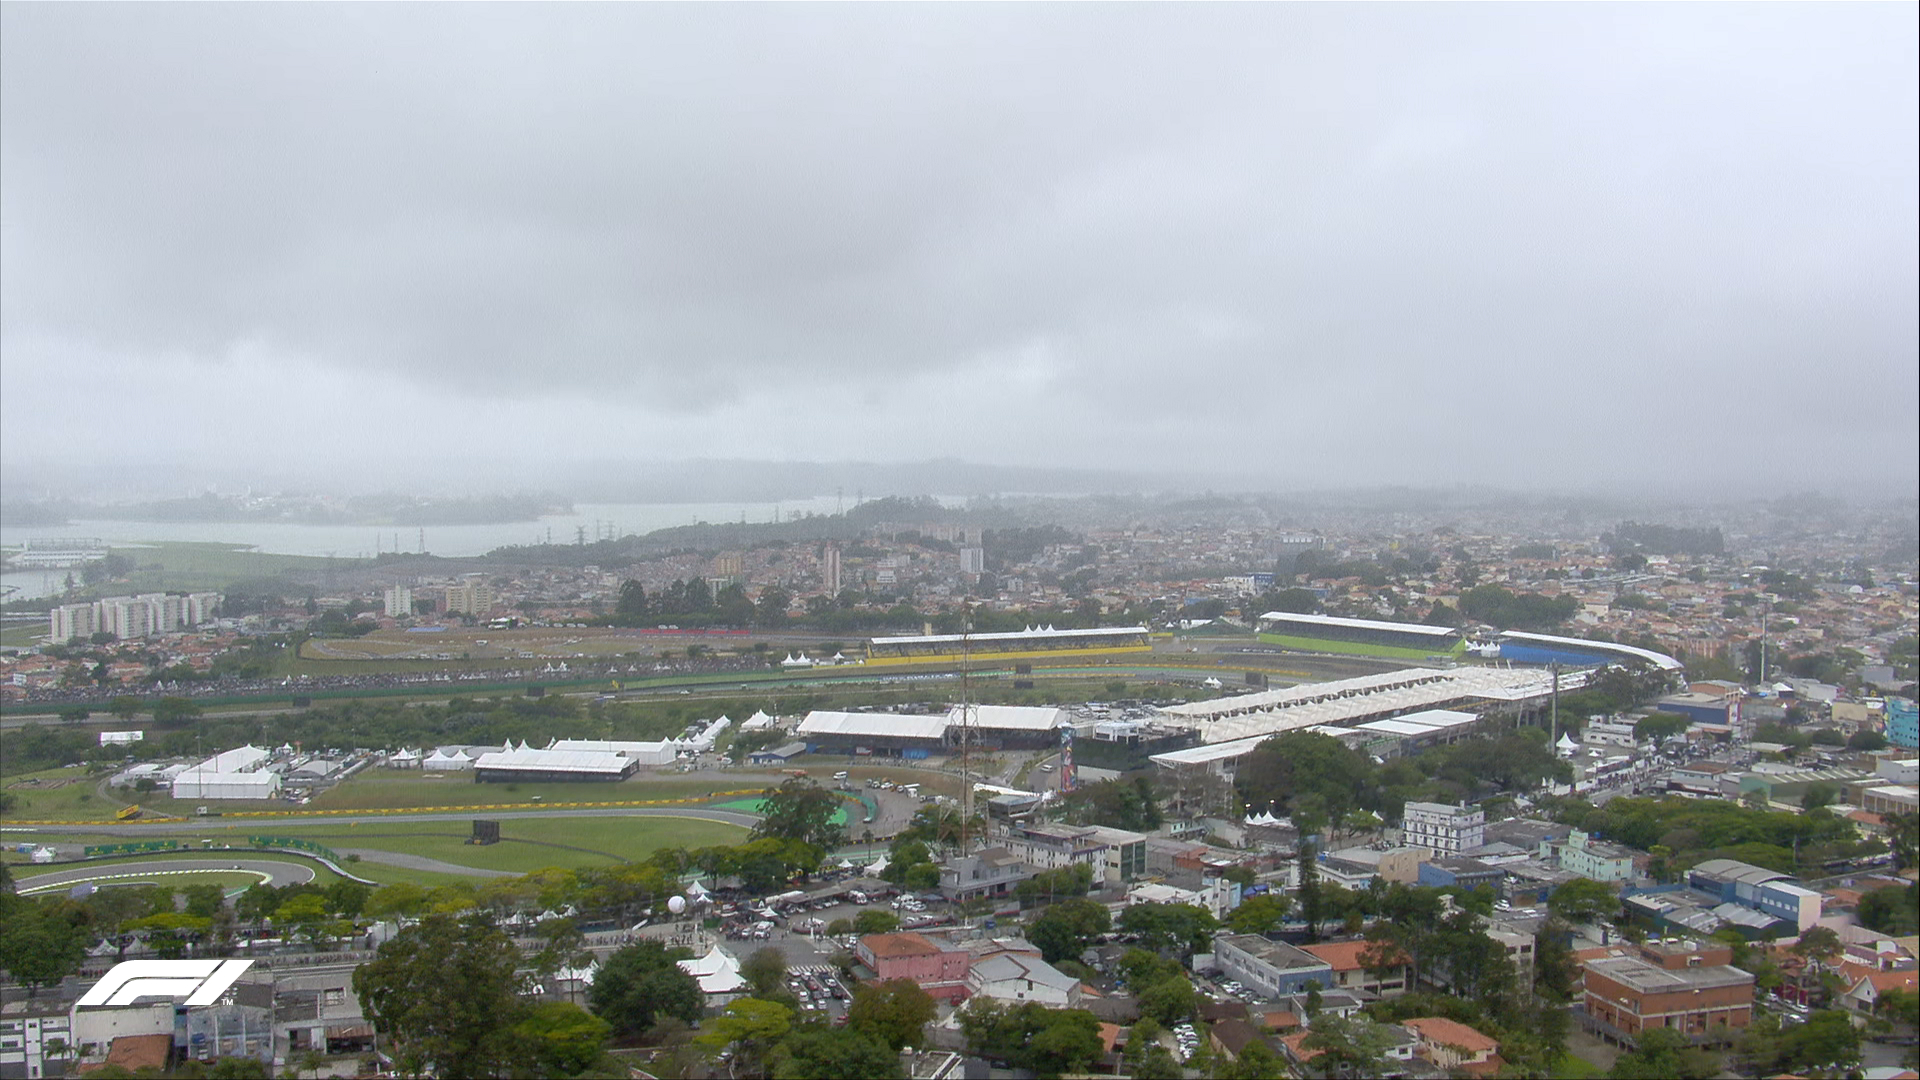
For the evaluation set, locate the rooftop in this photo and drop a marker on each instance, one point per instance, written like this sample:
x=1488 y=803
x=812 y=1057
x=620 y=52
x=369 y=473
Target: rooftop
x=1646 y=978
x=1277 y=953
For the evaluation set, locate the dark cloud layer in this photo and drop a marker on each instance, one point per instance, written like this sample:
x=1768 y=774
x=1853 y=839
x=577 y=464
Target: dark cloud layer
x=1596 y=245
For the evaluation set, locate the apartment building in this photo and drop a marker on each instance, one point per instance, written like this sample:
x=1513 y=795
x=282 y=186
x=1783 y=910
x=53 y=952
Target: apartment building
x=1441 y=828
x=1114 y=854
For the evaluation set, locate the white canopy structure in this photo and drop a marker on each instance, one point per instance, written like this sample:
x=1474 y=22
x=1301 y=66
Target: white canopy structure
x=717 y=972
x=441 y=761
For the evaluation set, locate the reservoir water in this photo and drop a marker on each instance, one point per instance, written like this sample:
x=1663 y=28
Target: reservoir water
x=362 y=541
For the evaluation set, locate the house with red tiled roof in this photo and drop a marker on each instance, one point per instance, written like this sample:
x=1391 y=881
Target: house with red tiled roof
x=1454 y=1046
x=1349 y=961
x=1295 y=1053
x=1864 y=993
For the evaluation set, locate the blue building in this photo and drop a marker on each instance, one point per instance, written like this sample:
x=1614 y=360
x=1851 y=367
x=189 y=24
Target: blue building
x=1698 y=708
x=1769 y=892
x=1461 y=872
x=1903 y=723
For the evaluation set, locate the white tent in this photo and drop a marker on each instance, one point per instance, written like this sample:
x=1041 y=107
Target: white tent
x=717 y=972
x=226 y=785
x=441 y=761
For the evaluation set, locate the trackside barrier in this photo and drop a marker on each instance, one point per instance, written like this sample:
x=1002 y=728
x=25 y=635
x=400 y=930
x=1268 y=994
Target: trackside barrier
x=135 y=848
x=295 y=845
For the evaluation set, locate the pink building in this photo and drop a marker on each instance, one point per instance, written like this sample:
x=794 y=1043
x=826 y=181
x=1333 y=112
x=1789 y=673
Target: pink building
x=941 y=972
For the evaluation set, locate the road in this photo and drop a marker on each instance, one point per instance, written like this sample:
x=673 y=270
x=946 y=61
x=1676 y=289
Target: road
x=174 y=871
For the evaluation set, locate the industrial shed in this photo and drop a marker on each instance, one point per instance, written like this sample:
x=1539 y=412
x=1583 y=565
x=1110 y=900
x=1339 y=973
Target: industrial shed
x=1012 y=726
x=883 y=734
x=524 y=764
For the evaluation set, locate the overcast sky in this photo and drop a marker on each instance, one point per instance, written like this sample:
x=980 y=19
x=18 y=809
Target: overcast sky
x=1587 y=245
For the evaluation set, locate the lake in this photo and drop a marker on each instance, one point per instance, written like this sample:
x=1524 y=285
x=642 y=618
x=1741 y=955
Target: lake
x=362 y=541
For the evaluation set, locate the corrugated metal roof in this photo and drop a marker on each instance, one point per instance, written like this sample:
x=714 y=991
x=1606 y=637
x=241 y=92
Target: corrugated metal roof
x=1012 y=717
x=892 y=725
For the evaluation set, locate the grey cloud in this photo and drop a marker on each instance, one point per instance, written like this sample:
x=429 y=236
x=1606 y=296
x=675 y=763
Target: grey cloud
x=1398 y=226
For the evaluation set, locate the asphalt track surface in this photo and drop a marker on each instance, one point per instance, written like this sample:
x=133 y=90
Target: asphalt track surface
x=179 y=872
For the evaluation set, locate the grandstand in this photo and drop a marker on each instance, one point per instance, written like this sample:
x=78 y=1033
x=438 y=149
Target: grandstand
x=1359 y=637
x=1033 y=643
x=1347 y=703
x=1523 y=648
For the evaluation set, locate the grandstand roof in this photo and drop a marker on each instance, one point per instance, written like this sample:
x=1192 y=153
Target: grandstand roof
x=553 y=761
x=1435 y=632
x=1444 y=718
x=890 y=725
x=1349 y=702
x=1010 y=635
x=1659 y=660
x=1012 y=717
x=1398 y=727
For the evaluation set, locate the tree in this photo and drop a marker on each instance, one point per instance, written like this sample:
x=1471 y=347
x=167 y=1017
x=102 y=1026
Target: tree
x=826 y=1053
x=1031 y=1036
x=124 y=707
x=1349 y=1046
x=1903 y=839
x=1659 y=727
x=1065 y=929
x=1259 y=914
x=1168 y=928
x=642 y=984
x=1819 y=795
x=895 y=1012
x=751 y=1027
x=39 y=943
x=876 y=922
x=1664 y=1054
x=175 y=712
x=1170 y=1001
x=1256 y=1062
x=801 y=810
x=1866 y=740
x=445 y=991
x=1583 y=900
x=1116 y=804
x=765 y=970
x=561 y=1038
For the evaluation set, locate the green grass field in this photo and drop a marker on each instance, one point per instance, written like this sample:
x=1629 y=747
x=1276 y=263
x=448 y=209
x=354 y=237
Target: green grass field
x=524 y=841
x=1569 y=1067
x=68 y=802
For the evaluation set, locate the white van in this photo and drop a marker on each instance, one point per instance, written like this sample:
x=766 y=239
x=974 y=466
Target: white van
x=841 y=775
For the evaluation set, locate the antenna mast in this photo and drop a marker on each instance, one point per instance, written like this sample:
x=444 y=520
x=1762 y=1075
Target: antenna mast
x=966 y=723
